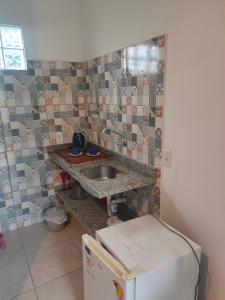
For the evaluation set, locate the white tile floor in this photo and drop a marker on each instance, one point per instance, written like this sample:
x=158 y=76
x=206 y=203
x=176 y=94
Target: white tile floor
x=42 y=265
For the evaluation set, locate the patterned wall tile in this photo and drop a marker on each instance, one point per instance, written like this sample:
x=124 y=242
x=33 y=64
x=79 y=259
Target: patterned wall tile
x=37 y=109
x=42 y=106
x=126 y=93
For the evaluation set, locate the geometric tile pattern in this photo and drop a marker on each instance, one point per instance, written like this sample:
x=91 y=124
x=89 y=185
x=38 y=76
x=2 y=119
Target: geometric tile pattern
x=126 y=93
x=42 y=106
x=38 y=107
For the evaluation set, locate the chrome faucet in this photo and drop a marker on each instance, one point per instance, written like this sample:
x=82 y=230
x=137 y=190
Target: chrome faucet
x=108 y=130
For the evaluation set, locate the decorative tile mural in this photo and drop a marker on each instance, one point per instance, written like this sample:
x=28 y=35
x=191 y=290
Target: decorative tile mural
x=38 y=108
x=126 y=94
x=42 y=106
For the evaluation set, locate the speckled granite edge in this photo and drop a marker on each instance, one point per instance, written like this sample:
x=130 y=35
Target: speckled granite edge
x=99 y=189
x=129 y=181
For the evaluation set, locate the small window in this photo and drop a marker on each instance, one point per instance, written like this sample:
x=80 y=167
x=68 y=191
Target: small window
x=12 y=54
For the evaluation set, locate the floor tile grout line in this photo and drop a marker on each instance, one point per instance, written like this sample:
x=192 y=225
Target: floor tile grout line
x=54 y=278
x=75 y=246
x=28 y=266
x=69 y=238
x=25 y=253
x=36 y=287
x=32 y=250
x=16 y=257
x=18 y=233
x=36 y=293
x=21 y=294
x=42 y=247
x=61 y=276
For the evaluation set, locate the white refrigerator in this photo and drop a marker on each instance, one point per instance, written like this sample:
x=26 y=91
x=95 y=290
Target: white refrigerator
x=139 y=260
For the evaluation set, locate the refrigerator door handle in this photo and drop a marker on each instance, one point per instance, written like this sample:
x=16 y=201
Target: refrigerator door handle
x=92 y=245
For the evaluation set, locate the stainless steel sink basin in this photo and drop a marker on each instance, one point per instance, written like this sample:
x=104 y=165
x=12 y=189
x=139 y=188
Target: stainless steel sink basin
x=102 y=173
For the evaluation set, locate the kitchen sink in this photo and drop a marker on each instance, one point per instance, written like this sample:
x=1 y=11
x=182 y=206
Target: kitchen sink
x=102 y=173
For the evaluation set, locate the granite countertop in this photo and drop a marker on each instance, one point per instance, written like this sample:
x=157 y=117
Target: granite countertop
x=132 y=179
x=87 y=211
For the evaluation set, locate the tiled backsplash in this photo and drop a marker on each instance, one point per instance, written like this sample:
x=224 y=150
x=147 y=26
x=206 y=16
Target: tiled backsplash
x=126 y=93
x=43 y=105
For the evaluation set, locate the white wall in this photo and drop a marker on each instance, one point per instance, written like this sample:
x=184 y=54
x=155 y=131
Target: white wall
x=193 y=188
x=52 y=29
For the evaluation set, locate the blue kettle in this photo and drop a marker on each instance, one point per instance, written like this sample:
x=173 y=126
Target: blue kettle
x=79 y=140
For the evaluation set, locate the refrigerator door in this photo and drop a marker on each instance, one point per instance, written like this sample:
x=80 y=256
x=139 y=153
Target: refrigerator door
x=104 y=277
